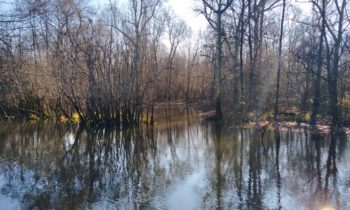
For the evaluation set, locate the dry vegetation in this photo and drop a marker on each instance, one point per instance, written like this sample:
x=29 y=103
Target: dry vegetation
x=66 y=60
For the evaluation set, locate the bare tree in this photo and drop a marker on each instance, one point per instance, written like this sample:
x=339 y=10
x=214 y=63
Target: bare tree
x=176 y=31
x=217 y=8
x=336 y=32
x=279 y=65
x=316 y=101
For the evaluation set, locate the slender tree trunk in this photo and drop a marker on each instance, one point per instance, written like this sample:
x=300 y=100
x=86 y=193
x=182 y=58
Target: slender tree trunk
x=279 y=64
x=251 y=58
x=241 y=56
x=218 y=66
x=333 y=79
x=317 y=93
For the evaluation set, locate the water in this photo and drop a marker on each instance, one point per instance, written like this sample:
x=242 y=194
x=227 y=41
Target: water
x=182 y=164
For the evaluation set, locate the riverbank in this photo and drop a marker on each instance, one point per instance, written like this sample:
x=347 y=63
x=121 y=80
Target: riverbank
x=205 y=111
x=320 y=129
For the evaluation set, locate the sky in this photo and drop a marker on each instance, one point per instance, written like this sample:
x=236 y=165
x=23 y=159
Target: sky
x=197 y=22
x=183 y=9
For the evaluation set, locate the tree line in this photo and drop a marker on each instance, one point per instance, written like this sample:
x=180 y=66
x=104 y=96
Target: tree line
x=112 y=65
x=60 y=57
x=276 y=54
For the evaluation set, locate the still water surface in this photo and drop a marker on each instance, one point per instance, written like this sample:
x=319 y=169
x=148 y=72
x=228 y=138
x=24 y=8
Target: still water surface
x=182 y=164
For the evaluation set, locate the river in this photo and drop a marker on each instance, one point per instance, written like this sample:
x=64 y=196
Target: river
x=181 y=163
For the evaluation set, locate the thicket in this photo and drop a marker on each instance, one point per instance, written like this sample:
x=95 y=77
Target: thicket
x=66 y=59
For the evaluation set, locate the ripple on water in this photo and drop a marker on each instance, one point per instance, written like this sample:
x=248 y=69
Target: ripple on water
x=8 y=202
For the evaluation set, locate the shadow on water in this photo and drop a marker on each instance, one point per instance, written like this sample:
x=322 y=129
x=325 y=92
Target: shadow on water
x=181 y=163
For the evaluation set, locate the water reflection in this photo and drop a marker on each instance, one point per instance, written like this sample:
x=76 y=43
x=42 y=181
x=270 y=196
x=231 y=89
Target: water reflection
x=181 y=164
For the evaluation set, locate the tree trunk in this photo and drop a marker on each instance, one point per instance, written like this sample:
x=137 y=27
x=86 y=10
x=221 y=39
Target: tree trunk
x=242 y=100
x=218 y=66
x=317 y=93
x=333 y=79
x=279 y=64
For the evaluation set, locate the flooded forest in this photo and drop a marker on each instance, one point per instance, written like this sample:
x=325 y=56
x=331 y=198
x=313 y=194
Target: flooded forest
x=174 y=104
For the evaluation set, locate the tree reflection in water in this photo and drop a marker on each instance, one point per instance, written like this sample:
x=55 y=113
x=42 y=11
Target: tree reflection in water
x=181 y=164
